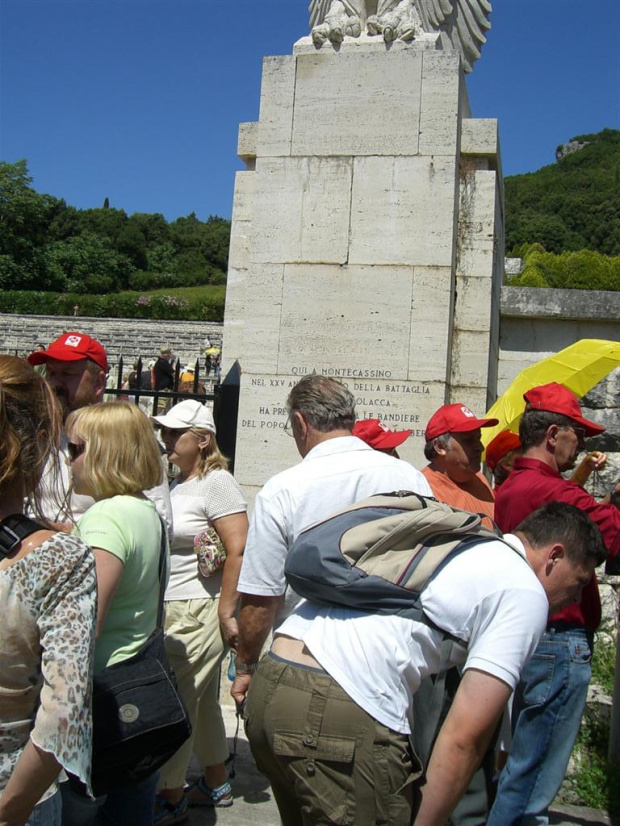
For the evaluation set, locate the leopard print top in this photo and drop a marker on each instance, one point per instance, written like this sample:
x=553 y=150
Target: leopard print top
x=48 y=604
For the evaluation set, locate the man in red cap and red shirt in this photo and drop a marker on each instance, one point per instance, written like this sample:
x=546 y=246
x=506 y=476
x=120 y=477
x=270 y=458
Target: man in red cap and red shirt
x=550 y=699
x=453 y=448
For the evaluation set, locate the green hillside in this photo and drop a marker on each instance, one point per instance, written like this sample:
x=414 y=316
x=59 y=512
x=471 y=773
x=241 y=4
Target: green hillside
x=571 y=205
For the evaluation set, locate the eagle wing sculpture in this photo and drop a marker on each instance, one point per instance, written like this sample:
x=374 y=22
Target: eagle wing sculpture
x=461 y=23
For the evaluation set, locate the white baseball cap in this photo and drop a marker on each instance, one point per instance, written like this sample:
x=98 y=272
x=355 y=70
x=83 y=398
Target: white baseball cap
x=188 y=413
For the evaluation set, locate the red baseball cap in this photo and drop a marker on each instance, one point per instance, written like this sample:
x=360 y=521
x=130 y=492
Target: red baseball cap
x=72 y=347
x=378 y=435
x=498 y=447
x=555 y=398
x=454 y=418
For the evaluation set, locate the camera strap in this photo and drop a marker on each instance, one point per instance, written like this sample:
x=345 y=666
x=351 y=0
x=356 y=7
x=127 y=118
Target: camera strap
x=13 y=530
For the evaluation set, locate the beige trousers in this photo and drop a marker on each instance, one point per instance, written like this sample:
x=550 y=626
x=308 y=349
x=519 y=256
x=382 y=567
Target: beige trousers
x=195 y=649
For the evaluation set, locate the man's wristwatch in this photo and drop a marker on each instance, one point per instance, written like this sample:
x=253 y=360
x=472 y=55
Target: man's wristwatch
x=245 y=668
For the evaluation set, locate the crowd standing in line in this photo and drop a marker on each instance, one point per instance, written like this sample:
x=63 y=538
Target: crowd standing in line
x=339 y=687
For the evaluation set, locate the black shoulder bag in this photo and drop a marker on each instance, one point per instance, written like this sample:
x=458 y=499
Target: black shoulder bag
x=13 y=529
x=139 y=718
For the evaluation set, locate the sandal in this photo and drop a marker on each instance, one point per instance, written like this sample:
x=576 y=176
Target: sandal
x=199 y=794
x=166 y=813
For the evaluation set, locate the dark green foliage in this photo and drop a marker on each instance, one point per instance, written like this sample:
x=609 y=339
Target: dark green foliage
x=584 y=270
x=47 y=245
x=571 y=205
x=208 y=306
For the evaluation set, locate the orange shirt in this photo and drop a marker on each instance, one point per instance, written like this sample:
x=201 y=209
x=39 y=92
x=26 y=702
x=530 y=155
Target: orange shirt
x=474 y=496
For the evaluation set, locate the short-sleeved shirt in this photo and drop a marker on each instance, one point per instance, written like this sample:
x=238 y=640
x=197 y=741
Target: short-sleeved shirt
x=532 y=484
x=196 y=505
x=49 y=610
x=129 y=528
x=474 y=495
x=334 y=474
x=487 y=596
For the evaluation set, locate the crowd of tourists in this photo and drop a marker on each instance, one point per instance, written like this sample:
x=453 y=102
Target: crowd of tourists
x=440 y=677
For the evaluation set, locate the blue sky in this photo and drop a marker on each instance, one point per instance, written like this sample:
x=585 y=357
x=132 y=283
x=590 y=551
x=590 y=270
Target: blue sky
x=140 y=100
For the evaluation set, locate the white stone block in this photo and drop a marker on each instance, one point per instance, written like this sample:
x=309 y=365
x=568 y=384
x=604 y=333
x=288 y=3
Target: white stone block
x=247 y=141
x=472 y=309
x=403 y=211
x=431 y=324
x=439 y=112
x=473 y=397
x=262 y=318
x=354 y=320
x=477 y=221
x=470 y=359
x=357 y=104
x=241 y=229
x=276 y=106
x=233 y=347
x=479 y=136
x=302 y=210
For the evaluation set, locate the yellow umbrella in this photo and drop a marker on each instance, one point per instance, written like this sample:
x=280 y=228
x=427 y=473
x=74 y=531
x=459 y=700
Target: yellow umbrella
x=213 y=351
x=579 y=367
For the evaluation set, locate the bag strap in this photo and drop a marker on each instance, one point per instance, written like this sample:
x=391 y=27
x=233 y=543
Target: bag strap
x=14 y=529
x=162 y=573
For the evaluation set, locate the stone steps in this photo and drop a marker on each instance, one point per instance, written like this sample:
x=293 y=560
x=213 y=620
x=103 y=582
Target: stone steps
x=130 y=338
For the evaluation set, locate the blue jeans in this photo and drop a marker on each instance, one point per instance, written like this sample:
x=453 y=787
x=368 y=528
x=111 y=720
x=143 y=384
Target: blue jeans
x=47 y=813
x=548 y=706
x=126 y=807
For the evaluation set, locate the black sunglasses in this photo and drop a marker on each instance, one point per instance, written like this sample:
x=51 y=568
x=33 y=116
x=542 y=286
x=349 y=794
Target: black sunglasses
x=75 y=450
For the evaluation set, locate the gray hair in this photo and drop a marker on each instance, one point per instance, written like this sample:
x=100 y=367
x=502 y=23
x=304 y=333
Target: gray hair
x=324 y=402
x=444 y=441
x=535 y=423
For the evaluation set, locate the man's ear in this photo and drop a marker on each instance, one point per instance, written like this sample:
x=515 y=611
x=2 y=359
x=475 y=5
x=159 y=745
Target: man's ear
x=299 y=424
x=555 y=553
x=100 y=384
x=439 y=448
x=552 y=434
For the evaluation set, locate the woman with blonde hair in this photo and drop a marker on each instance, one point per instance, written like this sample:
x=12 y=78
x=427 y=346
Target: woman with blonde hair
x=210 y=529
x=48 y=606
x=114 y=456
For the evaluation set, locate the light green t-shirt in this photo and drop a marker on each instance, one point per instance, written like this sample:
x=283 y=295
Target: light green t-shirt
x=130 y=529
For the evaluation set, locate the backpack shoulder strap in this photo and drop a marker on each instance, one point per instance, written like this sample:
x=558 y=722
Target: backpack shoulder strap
x=14 y=529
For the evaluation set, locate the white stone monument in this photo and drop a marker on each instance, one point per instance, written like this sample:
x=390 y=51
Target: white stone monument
x=367 y=239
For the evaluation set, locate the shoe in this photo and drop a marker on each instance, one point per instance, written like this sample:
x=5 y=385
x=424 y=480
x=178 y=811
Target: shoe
x=199 y=794
x=166 y=812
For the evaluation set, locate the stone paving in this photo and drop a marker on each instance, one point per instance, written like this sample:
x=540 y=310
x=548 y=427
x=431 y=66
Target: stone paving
x=254 y=802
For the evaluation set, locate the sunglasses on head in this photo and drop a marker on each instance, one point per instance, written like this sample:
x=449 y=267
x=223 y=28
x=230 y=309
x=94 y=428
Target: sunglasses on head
x=75 y=450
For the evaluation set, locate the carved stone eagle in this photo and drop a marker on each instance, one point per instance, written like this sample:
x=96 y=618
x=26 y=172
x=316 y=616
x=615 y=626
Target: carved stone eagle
x=461 y=23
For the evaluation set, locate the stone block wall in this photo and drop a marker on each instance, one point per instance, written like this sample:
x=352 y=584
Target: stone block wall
x=127 y=337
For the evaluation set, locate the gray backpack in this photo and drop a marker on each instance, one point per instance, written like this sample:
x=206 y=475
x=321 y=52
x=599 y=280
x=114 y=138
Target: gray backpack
x=378 y=554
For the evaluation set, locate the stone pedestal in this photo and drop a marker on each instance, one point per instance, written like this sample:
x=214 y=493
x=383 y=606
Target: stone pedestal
x=366 y=243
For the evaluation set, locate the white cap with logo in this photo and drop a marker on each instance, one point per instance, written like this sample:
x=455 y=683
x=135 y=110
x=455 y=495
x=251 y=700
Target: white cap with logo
x=188 y=413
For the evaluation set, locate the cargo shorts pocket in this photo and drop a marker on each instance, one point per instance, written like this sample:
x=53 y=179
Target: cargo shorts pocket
x=321 y=772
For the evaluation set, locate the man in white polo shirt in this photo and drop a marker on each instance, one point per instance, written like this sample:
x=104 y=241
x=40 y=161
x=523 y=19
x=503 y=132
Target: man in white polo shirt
x=329 y=712
x=337 y=469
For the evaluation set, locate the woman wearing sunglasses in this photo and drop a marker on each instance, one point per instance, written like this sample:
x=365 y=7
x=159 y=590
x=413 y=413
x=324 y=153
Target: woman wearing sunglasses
x=210 y=529
x=48 y=608
x=113 y=456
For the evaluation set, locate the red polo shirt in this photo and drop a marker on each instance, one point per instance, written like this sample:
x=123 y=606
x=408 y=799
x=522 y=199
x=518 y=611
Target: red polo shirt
x=533 y=483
